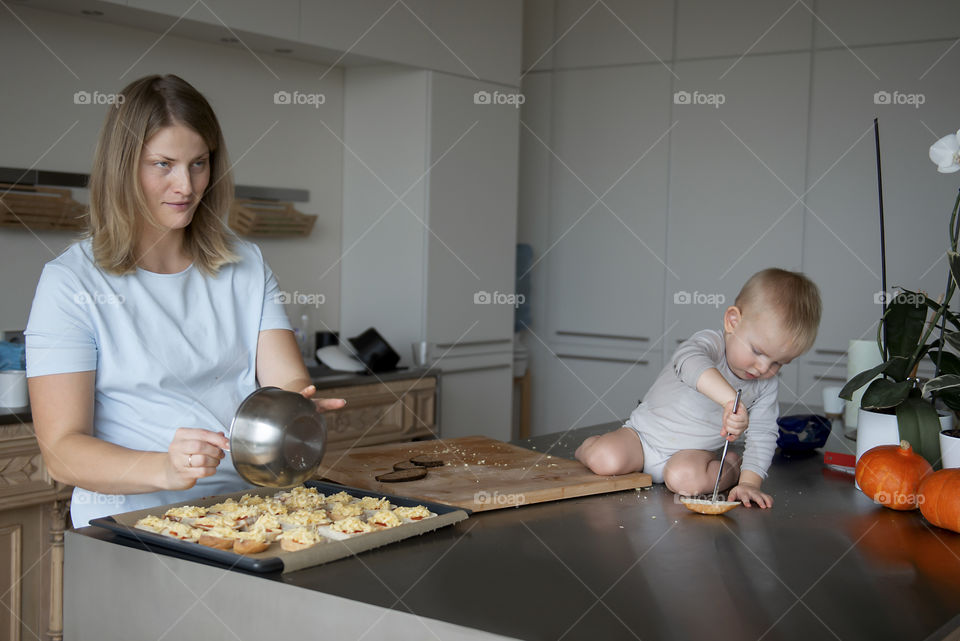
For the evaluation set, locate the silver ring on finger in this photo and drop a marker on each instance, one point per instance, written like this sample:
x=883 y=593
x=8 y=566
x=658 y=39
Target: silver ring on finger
x=190 y=460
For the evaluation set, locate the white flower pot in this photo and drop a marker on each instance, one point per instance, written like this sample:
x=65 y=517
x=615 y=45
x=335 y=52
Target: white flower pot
x=949 y=450
x=874 y=428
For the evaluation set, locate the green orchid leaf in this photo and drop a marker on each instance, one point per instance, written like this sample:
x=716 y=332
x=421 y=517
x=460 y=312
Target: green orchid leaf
x=883 y=393
x=940 y=383
x=860 y=380
x=904 y=323
x=934 y=306
x=954 y=259
x=953 y=339
x=951 y=398
x=919 y=425
x=899 y=368
x=949 y=362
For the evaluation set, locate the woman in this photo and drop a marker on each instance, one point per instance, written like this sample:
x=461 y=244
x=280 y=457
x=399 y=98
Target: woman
x=145 y=336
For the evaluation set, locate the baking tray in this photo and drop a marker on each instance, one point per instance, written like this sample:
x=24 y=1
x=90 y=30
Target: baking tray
x=276 y=559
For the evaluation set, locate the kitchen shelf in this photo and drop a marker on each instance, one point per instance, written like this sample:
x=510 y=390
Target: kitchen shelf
x=40 y=208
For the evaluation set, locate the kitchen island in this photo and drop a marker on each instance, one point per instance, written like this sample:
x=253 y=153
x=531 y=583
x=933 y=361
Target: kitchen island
x=825 y=562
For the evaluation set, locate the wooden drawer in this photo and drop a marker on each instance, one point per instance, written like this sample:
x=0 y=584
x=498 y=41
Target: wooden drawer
x=33 y=515
x=382 y=412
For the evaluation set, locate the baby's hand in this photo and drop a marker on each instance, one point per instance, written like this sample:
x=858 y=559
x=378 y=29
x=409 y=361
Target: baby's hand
x=745 y=493
x=734 y=425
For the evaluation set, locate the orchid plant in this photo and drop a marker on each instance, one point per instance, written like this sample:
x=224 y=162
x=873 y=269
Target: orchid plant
x=904 y=339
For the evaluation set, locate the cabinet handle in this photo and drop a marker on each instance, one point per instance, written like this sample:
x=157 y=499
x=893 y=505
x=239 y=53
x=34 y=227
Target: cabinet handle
x=616 y=337
x=830 y=352
x=602 y=358
x=822 y=377
x=447 y=372
x=505 y=341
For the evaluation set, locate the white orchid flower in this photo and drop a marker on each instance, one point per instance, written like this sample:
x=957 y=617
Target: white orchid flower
x=946 y=153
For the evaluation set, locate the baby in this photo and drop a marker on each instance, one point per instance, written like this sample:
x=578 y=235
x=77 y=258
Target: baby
x=673 y=434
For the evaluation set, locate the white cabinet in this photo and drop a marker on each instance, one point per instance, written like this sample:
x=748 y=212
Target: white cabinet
x=430 y=188
x=472 y=212
x=613 y=32
x=842 y=236
x=595 y=386
x=738 y=27
x=607 y=235
x=278 y=18
x=736 y=173
x=538 y=41
x=847 y=23
x=474 y=39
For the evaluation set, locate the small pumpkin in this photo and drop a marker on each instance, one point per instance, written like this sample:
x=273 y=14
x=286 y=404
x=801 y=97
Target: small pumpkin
x=939 y=498
x=891 y=475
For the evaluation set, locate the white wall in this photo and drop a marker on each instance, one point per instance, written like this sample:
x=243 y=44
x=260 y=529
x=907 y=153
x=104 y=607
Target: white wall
x=781 y=174
x=271 y=145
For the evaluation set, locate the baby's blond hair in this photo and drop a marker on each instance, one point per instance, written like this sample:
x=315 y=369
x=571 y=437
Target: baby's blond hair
x=793 y=297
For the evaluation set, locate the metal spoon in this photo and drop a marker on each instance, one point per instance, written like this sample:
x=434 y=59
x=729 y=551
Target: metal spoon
x=716 y=486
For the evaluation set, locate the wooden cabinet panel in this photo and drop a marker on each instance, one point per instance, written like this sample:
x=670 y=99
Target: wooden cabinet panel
x=382 y=412
x=11 y=537
x=32 y=518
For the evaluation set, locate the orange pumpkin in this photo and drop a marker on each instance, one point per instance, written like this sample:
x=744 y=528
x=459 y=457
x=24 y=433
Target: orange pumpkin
x=891 y=475
x=939 y=498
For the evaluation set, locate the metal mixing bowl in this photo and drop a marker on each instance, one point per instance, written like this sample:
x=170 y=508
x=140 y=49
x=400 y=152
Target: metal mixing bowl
x=277 y=438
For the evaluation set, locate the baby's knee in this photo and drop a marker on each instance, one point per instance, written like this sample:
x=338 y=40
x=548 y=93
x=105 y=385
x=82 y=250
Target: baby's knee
x=683 y=479
x=603 y=459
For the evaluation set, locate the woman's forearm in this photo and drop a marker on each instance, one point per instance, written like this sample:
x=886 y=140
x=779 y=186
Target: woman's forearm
x=99 y=466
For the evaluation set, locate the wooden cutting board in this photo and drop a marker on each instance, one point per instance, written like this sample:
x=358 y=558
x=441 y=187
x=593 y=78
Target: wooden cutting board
x=479 y=473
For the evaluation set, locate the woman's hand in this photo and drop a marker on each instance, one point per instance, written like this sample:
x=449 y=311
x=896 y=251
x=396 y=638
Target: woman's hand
x=193 y=453
x=322 y=404
x=745 y=493
x=733 y=425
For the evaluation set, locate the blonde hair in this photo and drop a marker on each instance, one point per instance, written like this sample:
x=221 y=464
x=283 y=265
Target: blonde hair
x=793 y=297
x=118 y=208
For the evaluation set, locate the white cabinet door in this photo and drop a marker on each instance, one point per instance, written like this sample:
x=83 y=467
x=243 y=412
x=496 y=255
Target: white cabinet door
x=587 y=389
x=472 y=221
x=475 y=39
x=607 y=233
x=278 y=18
x=737 y=171
x=847 y=23
x=842 y=236
x=737 y=27
x=477 y=402
x=613 y=32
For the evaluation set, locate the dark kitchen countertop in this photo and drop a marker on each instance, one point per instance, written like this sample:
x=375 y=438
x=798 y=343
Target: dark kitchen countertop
x=824 y=563
x=325 y=378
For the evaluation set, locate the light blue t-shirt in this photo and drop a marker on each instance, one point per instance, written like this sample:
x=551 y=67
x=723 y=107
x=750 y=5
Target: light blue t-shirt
x=170 y=351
